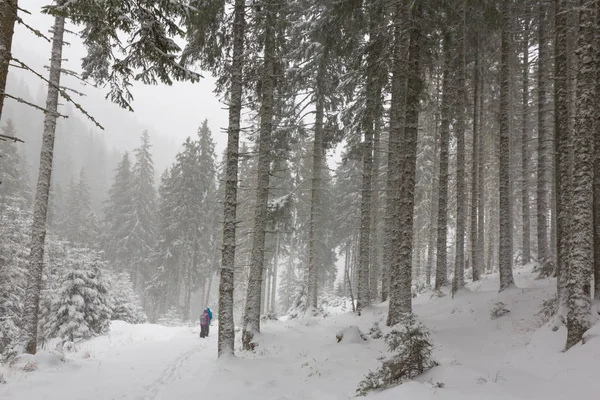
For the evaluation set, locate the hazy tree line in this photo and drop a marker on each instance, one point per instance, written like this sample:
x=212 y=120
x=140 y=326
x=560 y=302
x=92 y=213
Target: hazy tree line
x=468 y=130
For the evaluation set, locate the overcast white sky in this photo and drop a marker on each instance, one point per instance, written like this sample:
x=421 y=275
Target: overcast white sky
x=173 y=111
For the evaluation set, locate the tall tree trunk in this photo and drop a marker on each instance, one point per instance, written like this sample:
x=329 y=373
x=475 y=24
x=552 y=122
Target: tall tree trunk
x=562 y=163
x=432 y=206
x=475 y=170
x=505 y=240
x=396 y=126
x=401 y=271
x=8 y=17
x=526 y=253
x=40 y=207
x=396 y=132
x=226 y=322
x=274 y=272
x=461 y=193
x=373 y=100
x=314 y=233
x=479 y=259
x=441 y=272
x=431 y=247
x=375 y=257
x=362 y=296
x=597 y=176
x=582 y=250
x=254 y=289
x=542 y=172
x=347 y=281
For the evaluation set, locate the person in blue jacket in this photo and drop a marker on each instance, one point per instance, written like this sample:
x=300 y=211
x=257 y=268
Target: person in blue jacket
x=209 y=319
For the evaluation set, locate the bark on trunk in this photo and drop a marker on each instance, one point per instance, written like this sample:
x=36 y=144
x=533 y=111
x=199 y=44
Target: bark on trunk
x=597 y=174
x=562 y=143
x=396 y=130
x=461 y=193
x=542 y=170
x=8 y=17
x=362 y=296
x=314 y=237
x=401 y=271
x=582 y=250
x=255 y=277
x=479 y=260
x=40 y=208
x=475 y=170
x=375 y=269
x=441 y=273
x=226 y=322
x=505 y=240
x=274 y=273
x=526 y=251
x=373 y=96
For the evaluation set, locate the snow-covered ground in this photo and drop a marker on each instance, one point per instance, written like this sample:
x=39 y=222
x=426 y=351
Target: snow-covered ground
x=509 y=358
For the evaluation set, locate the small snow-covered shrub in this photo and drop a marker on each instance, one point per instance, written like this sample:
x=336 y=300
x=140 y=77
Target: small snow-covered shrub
x=419 y=287
x=327 y=303
x=126 y=305
x=171 y=318
x=375 y=331
x=411 y=348
x=270 y=316
x=548 y=309
x=351 y=334
x=81 y=308
x=498 y=310
x=545 y=270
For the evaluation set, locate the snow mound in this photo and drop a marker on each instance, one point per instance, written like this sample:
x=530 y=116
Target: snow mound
x=351 y=334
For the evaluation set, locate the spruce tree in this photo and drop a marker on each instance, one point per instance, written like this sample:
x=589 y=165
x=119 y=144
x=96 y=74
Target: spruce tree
x=143 y=235
x=119 y=216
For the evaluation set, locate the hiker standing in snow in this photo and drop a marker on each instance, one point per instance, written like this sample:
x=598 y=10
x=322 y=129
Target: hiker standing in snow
x=204 y=321
x=209 y=319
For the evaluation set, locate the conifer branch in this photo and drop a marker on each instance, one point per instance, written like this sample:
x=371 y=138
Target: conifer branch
x=20 y=100
x=62 y=92
x=36 y=32
x=7 y=137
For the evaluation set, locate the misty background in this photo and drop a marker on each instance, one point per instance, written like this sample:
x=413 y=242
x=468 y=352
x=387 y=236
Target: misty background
x=169 y=113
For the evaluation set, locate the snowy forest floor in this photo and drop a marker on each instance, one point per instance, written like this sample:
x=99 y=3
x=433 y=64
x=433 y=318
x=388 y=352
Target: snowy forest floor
x=509 y=358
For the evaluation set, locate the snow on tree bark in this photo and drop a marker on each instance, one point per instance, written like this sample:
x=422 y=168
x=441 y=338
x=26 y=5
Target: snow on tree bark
x=40 y=208
x=8 y=17
x=396 y=127
x=582 y=225
x=401 y=271
x=314 y=236
x=226 y=322
x=441 y=273
x=597 y=173
x=505 y=240
x=257 y=259
x=526 y=252
x=458 y=281
x=562 y=160
x=274 y=271
x=375 y=256
x=475 y=170
x=543 y=181
x=479 y=261
x=373 y=96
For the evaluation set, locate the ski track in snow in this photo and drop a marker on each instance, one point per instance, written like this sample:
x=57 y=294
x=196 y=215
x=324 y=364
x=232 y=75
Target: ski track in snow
x=169 y=375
